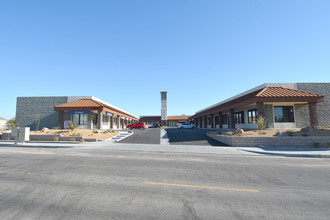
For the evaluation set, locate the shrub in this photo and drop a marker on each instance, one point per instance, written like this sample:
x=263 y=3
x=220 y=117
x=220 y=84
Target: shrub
x=328 y=145
x=290 y=133
x=316 y=144
x=73 y=126
x=56 y=138
x=261 y=123
x=73 y=139
x=229 y=133
x=55 y=128
x=78 y=134
x=74 y=134
x=82 y=140
x=219 y=132
x=239 y=135
x=304 y=135
x=12 y=123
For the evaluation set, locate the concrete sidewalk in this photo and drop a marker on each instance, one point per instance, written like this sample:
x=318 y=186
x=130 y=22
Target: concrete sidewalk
x=238 y=151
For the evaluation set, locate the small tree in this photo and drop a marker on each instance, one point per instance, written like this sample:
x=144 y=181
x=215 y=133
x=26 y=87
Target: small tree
x=12 y=124
x=261 y=123
x=73 y=126
x=37 y=122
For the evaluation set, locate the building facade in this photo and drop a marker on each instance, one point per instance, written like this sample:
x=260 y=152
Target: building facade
x=87 y=112
x=3 y=123
x=172 y=121
x=283 y=105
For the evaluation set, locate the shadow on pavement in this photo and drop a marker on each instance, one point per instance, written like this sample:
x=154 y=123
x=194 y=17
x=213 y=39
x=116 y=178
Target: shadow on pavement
x=191 y=137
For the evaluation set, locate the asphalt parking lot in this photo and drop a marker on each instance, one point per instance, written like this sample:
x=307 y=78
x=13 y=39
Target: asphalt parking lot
x=176 y=137
x=191 y=137
x=145 y=136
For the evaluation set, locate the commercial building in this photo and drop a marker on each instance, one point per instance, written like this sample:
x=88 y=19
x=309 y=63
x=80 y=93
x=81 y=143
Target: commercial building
x=283 y=105
x=171 y=121
x=87 y=112
x=3 y=123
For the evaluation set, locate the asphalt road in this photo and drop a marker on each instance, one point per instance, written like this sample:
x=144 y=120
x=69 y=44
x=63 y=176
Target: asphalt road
x=191 y=137
x=73 y=184
x=146 y=136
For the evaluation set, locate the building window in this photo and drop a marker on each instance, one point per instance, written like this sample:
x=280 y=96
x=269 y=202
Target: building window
x=224 y=119
x=79 y=119
x=252 y=116
x=239 y=117
x=283 y=114
x=216 y=120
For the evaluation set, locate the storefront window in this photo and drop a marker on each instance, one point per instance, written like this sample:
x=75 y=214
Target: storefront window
x=224 y=119
x=252 y=116
x=79 y=119
x=239 y=117
x=216 y=120
x=283 y=114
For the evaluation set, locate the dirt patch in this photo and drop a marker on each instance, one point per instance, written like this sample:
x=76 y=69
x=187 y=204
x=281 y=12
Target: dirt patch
x=86 y=133
x=282 y=132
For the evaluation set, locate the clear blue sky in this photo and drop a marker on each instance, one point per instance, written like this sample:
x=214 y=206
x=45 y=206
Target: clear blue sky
x=126 y=52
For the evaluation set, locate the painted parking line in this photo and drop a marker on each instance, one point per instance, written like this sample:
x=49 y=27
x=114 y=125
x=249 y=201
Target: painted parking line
x=205 y=187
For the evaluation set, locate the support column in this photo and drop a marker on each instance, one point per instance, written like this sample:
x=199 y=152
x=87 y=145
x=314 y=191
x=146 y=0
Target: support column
x=111 y=122
x=60 y=119
x=313 y=115
x=212 y=121
x=205 y=121
x=261 y=109
x=100 y=120
x=220 y=120
x=201 y=122
x=232 y=118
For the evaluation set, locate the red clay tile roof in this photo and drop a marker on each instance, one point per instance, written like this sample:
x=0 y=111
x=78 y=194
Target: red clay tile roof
x=89 y=103
x=81 y=103
x=269 y=92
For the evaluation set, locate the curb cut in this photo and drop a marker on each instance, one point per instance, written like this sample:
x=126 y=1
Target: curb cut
x=130 y=133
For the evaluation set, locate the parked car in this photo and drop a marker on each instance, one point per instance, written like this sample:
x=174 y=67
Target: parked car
x=155 y=125
x=186 y=125
x=140 y=125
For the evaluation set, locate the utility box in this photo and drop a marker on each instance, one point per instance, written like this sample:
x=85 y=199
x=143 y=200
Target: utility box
x=14 y=132
x=24 y=134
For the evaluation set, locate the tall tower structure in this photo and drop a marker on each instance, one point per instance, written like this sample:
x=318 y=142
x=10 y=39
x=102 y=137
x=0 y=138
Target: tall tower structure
x=163 y=108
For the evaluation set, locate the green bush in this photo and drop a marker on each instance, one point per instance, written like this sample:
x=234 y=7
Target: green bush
x=73 y=126
x=261 y=123
x=316 y=144
x=328 y=145
x=73 y=139
x=56 y=139
x=12 y=124
x=289 y=133
x=55 y=128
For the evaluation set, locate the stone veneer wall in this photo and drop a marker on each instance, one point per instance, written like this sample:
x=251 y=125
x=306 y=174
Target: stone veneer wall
x=28 y=107
x=323 y=109
x=295 y=141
